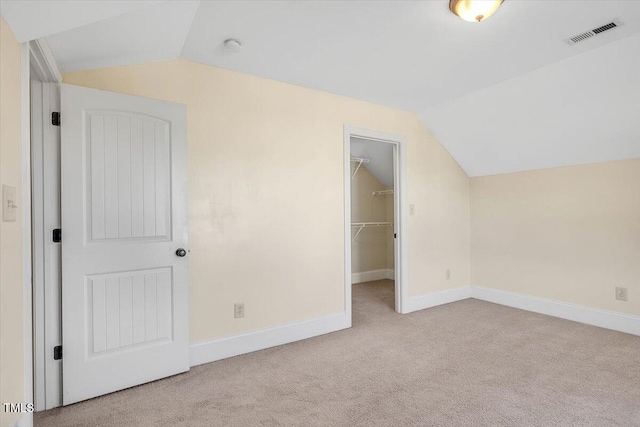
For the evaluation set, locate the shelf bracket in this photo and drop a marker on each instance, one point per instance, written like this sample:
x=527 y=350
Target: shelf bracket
x=359 y=161
x=357 y=232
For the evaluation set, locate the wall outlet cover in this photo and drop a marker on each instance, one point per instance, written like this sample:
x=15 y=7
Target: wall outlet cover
x=9 y=203
x=238 y=310
x=622 y=294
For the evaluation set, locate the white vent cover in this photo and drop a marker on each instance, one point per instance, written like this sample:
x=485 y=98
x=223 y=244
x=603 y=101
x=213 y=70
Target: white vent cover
x=594 y=32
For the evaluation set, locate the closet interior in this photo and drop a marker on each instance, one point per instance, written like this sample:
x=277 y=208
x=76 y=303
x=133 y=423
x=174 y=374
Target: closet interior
x=372 y=211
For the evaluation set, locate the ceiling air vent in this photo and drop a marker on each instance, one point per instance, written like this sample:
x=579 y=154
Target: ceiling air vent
x=594 y=32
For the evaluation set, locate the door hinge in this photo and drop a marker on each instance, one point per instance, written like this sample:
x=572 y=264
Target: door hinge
x=57 y=235
x=57 y=352
x=55 y=118
x=395 y=236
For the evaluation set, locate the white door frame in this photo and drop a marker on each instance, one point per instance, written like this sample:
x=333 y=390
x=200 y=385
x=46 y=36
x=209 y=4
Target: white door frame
x=44 y=255
x=26 y=419
x=36 y=60
x=400 y=215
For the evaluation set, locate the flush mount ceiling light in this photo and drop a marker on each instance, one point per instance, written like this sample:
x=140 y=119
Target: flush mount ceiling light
x=474 y=10
x=232 y=45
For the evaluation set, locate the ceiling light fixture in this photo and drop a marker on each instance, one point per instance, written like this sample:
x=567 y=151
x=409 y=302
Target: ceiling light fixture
x=474 y=10
x=232 y=45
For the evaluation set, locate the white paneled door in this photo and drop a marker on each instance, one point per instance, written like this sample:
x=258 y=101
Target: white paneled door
x=124 y=241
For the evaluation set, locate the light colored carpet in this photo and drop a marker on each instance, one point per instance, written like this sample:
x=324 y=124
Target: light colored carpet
x=466 y=363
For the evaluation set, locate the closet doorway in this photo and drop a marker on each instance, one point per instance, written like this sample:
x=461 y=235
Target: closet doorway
x=375 y=240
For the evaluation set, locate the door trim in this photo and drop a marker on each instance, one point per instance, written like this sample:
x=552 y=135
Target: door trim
x=45 y=161
x=400 y=186
x=43 y=62
x=46 y=316
x=26 y=419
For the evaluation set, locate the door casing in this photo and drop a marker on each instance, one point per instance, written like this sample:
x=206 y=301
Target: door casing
x=44 y=256
x=400 y=184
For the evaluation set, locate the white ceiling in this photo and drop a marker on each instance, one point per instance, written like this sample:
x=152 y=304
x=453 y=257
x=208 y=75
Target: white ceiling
x=406 y=54
x=151 y=34
x=32 y=19
x=583 y=109
x=503 y=95
x=380 y=156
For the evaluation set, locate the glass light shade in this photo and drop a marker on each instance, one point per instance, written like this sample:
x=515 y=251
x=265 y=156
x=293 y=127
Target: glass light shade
x=474 y=10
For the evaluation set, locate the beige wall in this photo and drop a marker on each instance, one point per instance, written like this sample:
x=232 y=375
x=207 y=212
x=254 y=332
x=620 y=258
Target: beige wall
x=369 y=251
x=568 y=234
x=11 y=304
x=266 y=193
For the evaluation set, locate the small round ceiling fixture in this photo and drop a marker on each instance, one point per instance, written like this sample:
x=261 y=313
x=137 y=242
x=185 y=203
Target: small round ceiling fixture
x=232 y=45
x=474 y=10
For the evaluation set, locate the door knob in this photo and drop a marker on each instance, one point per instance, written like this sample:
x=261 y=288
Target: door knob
x=181 y=252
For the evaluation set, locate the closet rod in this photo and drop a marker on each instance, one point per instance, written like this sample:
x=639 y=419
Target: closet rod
x=363 y=225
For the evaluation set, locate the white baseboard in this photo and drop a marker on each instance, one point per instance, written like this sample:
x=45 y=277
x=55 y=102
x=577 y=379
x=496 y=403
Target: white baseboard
x=591 y=316
x=436 y=298
x=24 y=419
x=368 y=276
x=226 y=347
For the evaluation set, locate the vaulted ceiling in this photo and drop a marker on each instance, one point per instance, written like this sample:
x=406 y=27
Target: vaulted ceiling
x=504 y=95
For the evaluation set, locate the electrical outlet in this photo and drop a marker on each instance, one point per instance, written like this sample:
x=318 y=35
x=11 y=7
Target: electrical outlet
x=238 y=310
x=621 y=294
x=412 y=209
x=447 y=274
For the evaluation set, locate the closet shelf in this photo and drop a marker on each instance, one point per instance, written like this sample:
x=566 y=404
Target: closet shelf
x=382 y=192
x=359 y=161
x=363 y=225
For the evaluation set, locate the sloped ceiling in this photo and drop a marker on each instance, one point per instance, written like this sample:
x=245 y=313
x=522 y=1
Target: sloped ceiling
x=380 y=156
x=32 y=19
x=151 y=34
x=503 y=95
x=583 y=109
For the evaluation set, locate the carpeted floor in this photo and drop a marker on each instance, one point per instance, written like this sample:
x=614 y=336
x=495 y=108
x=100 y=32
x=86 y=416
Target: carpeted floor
x=466 y=363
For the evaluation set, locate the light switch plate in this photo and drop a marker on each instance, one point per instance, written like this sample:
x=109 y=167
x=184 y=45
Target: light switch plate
x=9 y=203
